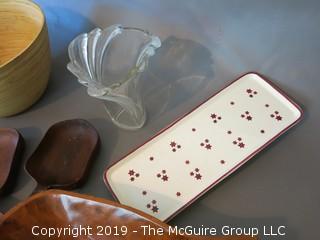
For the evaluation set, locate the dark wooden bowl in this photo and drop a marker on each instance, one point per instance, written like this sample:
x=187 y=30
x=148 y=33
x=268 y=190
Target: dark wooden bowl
x=11 y=146
x=56 y=208
x=64 y=155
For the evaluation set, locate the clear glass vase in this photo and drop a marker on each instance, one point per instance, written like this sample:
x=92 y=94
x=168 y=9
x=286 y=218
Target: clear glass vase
x=109 y=63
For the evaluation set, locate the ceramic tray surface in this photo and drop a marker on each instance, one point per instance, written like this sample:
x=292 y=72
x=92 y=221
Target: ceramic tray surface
x=182 y=162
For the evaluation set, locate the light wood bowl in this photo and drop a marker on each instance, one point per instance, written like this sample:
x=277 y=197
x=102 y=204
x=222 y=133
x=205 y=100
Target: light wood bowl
x=24 y=55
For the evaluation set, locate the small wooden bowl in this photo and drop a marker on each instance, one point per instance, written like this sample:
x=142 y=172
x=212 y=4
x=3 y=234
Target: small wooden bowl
x=64 y=155
x=24 y=55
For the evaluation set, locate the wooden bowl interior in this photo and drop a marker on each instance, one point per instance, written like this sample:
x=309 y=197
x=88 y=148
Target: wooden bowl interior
x=64 y=155
x=62 y=209
x=20 y=24
x=56 y=208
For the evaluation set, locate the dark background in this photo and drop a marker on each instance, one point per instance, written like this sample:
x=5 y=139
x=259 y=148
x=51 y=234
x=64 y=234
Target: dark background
x=206 y=44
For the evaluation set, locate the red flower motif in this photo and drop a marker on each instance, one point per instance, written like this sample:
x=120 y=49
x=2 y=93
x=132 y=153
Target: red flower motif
x=173 y=144
x=215 y=117
x=246 y=115
x=276 y=115
x=208 y=146
x=165 y=178
x=249 y=90
x=155 y=209
x=131 y=172
x=241 y=145
x=198 y=176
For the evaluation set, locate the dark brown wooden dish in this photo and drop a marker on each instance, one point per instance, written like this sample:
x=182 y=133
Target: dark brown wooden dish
x=56 y=208
x=11 y=146
x=63 y=157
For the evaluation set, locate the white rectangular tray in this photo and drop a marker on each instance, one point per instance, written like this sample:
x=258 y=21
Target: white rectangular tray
x=183 y=161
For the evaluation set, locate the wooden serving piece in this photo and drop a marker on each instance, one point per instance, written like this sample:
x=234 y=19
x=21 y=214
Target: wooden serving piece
x=56 y=208
x=11 y=146
x=25 y=60
x=64 y=155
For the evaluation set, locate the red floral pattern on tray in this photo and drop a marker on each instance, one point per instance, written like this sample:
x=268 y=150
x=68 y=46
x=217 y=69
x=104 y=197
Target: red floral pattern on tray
x=153 y=207
x=206 y=148
x=246 y=115
x=163 y=176
x=133 y=175
x=206 y=144
x=196 y=174
x=239 y=142
x=251 y=93
x=174 y=146
x=276 y=115
x=215 y=117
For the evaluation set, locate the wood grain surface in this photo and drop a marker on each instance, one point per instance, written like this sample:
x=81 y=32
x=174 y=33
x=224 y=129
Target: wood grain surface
x=57 y=208
x=64 y=155
x=24 y=55
x=11 y=146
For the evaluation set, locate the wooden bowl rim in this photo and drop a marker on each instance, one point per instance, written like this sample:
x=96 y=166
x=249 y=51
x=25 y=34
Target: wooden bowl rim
x=22 y=51
x=147 y=217
x=55 y=192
